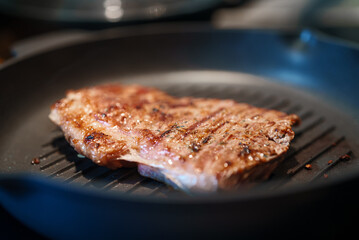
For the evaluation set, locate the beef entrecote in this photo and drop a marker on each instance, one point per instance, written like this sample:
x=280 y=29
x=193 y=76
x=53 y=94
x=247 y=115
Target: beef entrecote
x=192 y=144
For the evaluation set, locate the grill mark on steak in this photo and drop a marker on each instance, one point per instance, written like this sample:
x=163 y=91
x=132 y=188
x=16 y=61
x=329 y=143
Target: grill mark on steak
x=218 y=126
x=162 y=116
x=230 y=143
x=198 y=123
x=168 y=131
x=206 y=139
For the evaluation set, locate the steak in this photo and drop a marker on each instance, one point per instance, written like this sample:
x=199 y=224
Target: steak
x=192 y=144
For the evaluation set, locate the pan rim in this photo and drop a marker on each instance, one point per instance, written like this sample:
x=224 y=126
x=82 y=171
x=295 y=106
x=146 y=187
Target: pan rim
x=173 y=28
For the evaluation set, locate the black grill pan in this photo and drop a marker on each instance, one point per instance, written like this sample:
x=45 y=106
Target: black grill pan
x=300 y=73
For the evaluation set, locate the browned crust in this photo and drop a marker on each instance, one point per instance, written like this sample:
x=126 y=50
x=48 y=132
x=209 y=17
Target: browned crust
x=235 y=142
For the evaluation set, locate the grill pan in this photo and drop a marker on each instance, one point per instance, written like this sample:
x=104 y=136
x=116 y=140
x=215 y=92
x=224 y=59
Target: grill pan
x=300 y=73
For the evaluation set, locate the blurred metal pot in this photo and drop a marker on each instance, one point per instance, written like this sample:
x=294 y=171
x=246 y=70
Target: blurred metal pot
x=102 y=10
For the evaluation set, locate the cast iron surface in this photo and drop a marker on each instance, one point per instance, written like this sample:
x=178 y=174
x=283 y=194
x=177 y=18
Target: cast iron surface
x=204 y=64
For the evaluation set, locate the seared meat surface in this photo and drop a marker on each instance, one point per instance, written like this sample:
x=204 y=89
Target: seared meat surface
x=190 y=143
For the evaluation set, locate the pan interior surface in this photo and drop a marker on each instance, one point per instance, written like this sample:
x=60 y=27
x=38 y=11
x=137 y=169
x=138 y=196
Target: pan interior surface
x=324 y=147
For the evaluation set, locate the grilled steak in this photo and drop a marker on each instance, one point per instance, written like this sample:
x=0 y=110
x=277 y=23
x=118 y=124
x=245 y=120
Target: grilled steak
x=190 y=143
